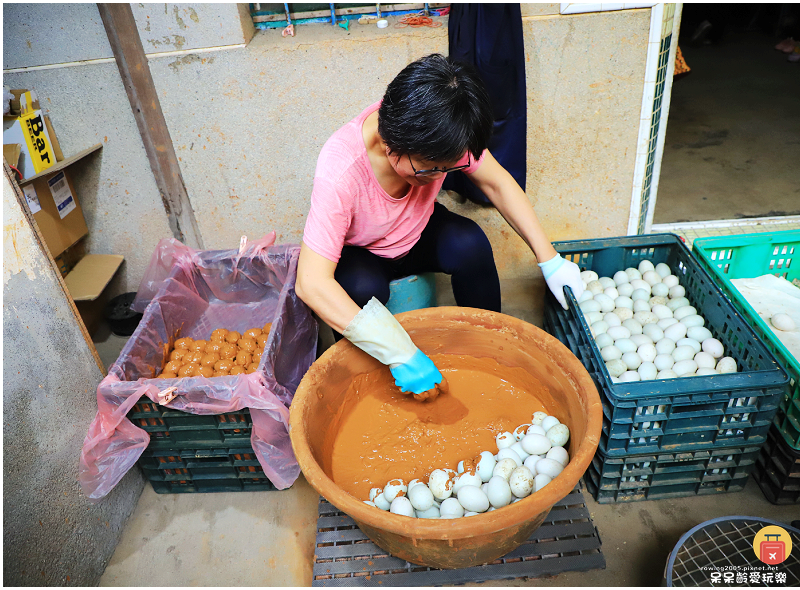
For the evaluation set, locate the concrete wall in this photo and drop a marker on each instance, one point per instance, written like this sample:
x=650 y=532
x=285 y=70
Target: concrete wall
x=248 y=123
x=52 y=536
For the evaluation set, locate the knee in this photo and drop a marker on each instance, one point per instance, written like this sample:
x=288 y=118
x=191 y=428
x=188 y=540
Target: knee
x=363 y=285
x=468 y=246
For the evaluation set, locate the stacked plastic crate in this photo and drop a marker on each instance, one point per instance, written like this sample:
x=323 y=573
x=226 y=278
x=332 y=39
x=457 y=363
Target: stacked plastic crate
x=777 y=469
x=672 y=437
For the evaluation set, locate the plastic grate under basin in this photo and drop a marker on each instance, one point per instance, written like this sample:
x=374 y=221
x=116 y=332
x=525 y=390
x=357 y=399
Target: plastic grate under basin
x=566 y=541
x=719 y=553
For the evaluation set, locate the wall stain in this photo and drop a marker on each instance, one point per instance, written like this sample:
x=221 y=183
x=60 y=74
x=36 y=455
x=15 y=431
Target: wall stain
x=178 y=19
x=193 y=15
x=189 y=59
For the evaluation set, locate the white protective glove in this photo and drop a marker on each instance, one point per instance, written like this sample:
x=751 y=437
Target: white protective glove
x=560 y=273
x=378 y=333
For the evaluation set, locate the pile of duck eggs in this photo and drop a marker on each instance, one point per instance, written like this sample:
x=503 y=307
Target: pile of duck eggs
x=226 y=352
x=527 y=460
x=646 y=328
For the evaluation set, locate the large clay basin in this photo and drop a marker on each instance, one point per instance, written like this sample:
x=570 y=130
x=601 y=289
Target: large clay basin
x=477 y=539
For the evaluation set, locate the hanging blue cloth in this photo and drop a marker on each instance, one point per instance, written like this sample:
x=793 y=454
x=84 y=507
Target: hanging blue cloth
x=489 y=36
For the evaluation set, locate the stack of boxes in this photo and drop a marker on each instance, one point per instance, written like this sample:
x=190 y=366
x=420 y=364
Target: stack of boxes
x=672 y=437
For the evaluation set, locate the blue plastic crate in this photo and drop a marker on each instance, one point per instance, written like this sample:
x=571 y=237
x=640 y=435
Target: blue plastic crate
x=684 y=414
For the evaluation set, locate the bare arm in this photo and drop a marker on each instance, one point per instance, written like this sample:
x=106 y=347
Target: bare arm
x=513 y=204
x=318 y=289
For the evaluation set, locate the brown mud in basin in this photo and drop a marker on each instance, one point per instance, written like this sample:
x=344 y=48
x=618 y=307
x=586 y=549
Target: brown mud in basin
x=351 y=429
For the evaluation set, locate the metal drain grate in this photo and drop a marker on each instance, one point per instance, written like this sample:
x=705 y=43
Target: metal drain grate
x=566 y=541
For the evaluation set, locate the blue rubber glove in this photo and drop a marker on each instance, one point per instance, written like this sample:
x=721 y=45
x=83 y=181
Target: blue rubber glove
x=418 y=375
x=560 y=273
x=378 y=333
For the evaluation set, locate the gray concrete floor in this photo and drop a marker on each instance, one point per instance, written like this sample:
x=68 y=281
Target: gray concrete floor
x=732 y=147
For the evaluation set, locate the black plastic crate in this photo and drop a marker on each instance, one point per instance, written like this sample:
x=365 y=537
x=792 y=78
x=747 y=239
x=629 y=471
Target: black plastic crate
x=204 y=470
x=683 y=414
x=777 y=470
x=655 y=477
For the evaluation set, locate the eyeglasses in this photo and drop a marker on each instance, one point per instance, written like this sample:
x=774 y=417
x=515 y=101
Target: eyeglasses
x=433 y=171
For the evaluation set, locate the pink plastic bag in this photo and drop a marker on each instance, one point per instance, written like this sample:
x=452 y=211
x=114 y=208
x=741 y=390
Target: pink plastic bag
x=196 y=292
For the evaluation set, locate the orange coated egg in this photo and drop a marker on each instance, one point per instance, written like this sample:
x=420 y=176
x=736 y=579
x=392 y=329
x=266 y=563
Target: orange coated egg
x=187 y=370
x=228 y=351
x=172 y=367
x=209 y=359
x=218 y=335
x=243 y=358
x=266 y=328
x=221 y=373
x=232 y=337
x=199 y=345
x=177 y=354
x=262 y=340
x=184 y=343
x=167 y=375
x=223 y=365
x=237 y=370
x=204 y=372
x=253 y=333
x=257 y=355
x=252 y=367
x=247 y=344
x=214 y=346
x=193 y=357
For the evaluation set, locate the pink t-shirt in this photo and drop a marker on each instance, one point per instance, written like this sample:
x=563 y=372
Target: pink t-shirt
x=349 y=207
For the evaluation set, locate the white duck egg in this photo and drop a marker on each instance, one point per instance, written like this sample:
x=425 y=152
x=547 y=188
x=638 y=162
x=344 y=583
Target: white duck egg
x=540 y=481
x=459 y=469
x=612 y=319
x=632 y=360
x=726 y=365
x=604 y=340
x=666 y=323
x=684 y=312
x=705 y=360
x=588 y=276
x=699 y=334
x=647 y=371
x=451 y=508
x=643 y=285
x=531 y=461
x=585 y=296
x=640 y=339
x=647 y=352
x=509 y=453
x=401 y=506
x=662 y=311
x=592 y=317
x=374 y=492
x=632 y=273
x=663 y=362
x=675 y=332
x=521 y=481
x=713 y=347
x=676 y=292
x=653 y=332
x=589 y=306
x=645 y=265
x=549 y=467
x=558 y=435
x=665 y=346
x=504 y=467
x=630 y=376
x=705 y=372
x=641 y=305
x=606 y=302
x=440 y=483
x=536 y=429
x=499 y=492
x=645 y=317
x=413 y=483
x=677 y=303
x=657 y=300
x=625 y=345
x=610 y=353
x=620 y=278
x=663 y=269
x=693 y=321
x=538 y=418
x=670 y=281
x=473 y=499
x=633 y=325
x=517 y=448
x=689 y=342
x=504 y=440
x=396 y=487
x=640 y=294
x=600 y=327
x=432 y=512
x=520 y=431
x=625 y=289
x=683 y=368
x=486 y=466
x=421 y=497
x=547 y=424
x=616 y=368
x=381 y=502
x=370 y=503
x=536 y=444
x=651 y=277
x=623 y=313
x=607 y=282
x=683 y=353
x=595 y=287
x=667 y=374
x=559 y=454
x=623 y=301
x=783 y=322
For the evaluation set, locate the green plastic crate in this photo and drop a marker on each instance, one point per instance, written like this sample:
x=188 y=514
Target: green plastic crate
x=777 y=470
x=749 y=256
x=684 y=414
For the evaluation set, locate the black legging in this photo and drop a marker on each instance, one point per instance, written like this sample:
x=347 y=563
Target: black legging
x=450 y=243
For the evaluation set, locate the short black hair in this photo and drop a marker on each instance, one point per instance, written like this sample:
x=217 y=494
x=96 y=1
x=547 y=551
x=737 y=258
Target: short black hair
x=436 y=108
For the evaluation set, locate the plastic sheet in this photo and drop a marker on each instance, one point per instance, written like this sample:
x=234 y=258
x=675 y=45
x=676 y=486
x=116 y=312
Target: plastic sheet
x=189 y=293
